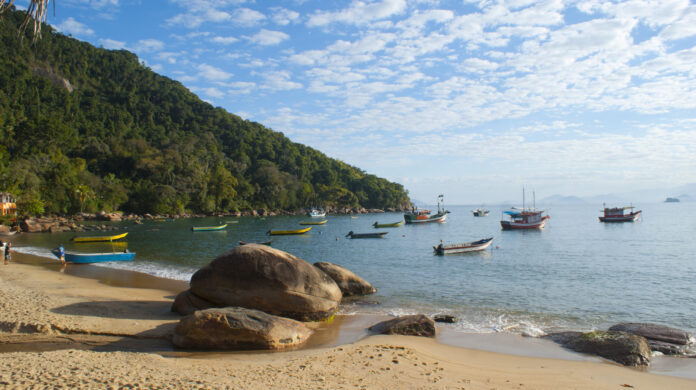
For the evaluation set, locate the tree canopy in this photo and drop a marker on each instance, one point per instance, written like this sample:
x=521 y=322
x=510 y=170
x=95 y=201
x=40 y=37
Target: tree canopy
x=84 y=128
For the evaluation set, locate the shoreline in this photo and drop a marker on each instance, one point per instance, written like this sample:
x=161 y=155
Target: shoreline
x=120 y=311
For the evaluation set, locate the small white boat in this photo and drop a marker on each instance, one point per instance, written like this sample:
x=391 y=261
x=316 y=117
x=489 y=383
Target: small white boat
x=480 y=212
x=473 y=246
x=314 y=213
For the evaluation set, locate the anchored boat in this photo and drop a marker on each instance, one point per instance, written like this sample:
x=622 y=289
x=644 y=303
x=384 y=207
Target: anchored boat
x=616 y=214
x=100 y=238
x=378 y=225
x=480 y=212
x=267 y=243
x=288 y=232
x=76 y=257
x=424 y=216
x=473 y=246
x=366 y=235
x=208 y=228
x=315 y=213
x=525 y=218
x=314 y=222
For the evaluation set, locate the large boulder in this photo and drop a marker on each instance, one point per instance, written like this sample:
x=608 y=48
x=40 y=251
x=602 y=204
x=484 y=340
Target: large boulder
x=31 y=226
x=187 y=302
x=624 y=348
x=260 y=277
x=413 y=325
x=349 y=283
x=669 y=341
x=238 y=328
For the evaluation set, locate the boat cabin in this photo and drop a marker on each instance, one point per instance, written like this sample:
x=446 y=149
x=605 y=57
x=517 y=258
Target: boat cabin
x=8 y=204
x=615 y=211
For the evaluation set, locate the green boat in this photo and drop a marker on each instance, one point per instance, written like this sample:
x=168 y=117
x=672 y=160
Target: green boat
x=378 y=225
x=208 y=228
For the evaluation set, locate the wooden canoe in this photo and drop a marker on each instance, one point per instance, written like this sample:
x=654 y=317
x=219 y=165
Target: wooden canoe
x=314 y=222
x=473 y=246
x=378 y=225
x=75 y=257
x=268 y=243
x=288 y=232
x=208 y=228
x=366 y=235
x=100 y=238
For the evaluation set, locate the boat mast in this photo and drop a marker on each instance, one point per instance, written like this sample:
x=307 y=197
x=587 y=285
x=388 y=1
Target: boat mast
x=534 y=200
x=523 y=208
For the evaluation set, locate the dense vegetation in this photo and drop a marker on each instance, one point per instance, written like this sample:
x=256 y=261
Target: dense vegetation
x=126 y=138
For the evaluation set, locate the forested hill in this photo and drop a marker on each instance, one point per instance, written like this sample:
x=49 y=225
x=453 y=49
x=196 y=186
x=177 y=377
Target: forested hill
x=83 y=128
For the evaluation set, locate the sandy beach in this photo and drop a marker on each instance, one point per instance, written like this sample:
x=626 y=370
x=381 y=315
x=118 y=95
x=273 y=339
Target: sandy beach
x=79 y=329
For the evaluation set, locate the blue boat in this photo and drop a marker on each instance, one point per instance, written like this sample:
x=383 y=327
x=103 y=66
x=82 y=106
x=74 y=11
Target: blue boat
x=75 y=257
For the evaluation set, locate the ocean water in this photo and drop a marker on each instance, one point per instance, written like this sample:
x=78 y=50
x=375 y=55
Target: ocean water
x=576 y=274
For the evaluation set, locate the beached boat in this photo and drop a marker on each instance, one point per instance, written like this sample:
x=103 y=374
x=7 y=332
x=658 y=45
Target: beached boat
x=473 y=246
x=366 y=235
x=268 y=243
x=288 y=232
x=616 y=214
x=480 y=212
x=314 y=222
x=208 y=228
x=315 y=213
x=100 y=238
x=76 y=257
x=10 y=233
x=378 y=225
x=524 y=218
x=424 y=216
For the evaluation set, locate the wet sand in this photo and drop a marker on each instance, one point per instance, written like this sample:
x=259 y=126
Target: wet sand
x=94 y=327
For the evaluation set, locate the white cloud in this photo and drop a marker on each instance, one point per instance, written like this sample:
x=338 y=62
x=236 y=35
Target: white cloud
x=212 y=73
x=279 y=81
x=247 y=17
x=73 y=27
x=112 y=44
x=147 y=45
x=358 y=13
x=268 y=37
x=283 y=17
x=224 y=40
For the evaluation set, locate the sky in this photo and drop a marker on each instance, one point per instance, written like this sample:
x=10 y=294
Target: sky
x=470 y=99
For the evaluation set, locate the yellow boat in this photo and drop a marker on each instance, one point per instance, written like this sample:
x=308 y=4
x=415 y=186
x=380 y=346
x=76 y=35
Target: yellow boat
x=314 y=222
x=100 y=238
x=287 y=232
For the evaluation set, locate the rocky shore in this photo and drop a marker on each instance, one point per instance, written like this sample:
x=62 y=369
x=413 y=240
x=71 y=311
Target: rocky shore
x=76 y=223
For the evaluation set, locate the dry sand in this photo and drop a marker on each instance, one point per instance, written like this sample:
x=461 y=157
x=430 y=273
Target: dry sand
x=63 y=331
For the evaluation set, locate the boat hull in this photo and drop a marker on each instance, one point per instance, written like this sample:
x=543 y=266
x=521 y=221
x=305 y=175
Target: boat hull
x=208 y=228
x=511 y=225
x=466 y=247
x=288 y=232
x=387 y=225
x=314 y=222
x=366 y=235
x=267 y=243
x=100 y=238
x=440 y=218
x=623 y=218
x=84 y=258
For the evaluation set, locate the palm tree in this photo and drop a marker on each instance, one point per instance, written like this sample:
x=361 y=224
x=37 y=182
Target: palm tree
x=36 y=13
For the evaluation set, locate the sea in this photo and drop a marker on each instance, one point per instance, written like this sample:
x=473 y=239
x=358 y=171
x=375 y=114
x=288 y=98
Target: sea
x=575 y=274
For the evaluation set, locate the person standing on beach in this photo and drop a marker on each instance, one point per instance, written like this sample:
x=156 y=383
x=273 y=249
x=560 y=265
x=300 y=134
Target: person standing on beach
x=7 y=253
x=61 y=254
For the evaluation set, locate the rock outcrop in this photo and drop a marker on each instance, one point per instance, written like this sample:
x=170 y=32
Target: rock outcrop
x=187 y=302
x=624 y=348
x=349 y=283
x=413 y=325
x=238 y=328
x=669 y=341
x=267 y=279
x=445 y=318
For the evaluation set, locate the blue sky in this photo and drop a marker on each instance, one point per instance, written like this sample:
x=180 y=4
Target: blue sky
x=473 y=99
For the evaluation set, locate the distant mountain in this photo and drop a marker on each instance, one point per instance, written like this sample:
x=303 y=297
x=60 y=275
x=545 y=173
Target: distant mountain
x=562 y=199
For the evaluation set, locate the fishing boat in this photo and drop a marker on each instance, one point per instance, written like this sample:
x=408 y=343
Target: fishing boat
x=424 y=216
x=480 y=212
x=316 y=213
x=100 y=238
x=208 y=228
x=314 y=222
x=524 y=218
x=378 y=225
x=76 y=257
x=268 y=243
x=366 y=235
x=473 y=246
x=288 y=232
x=616 y=214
